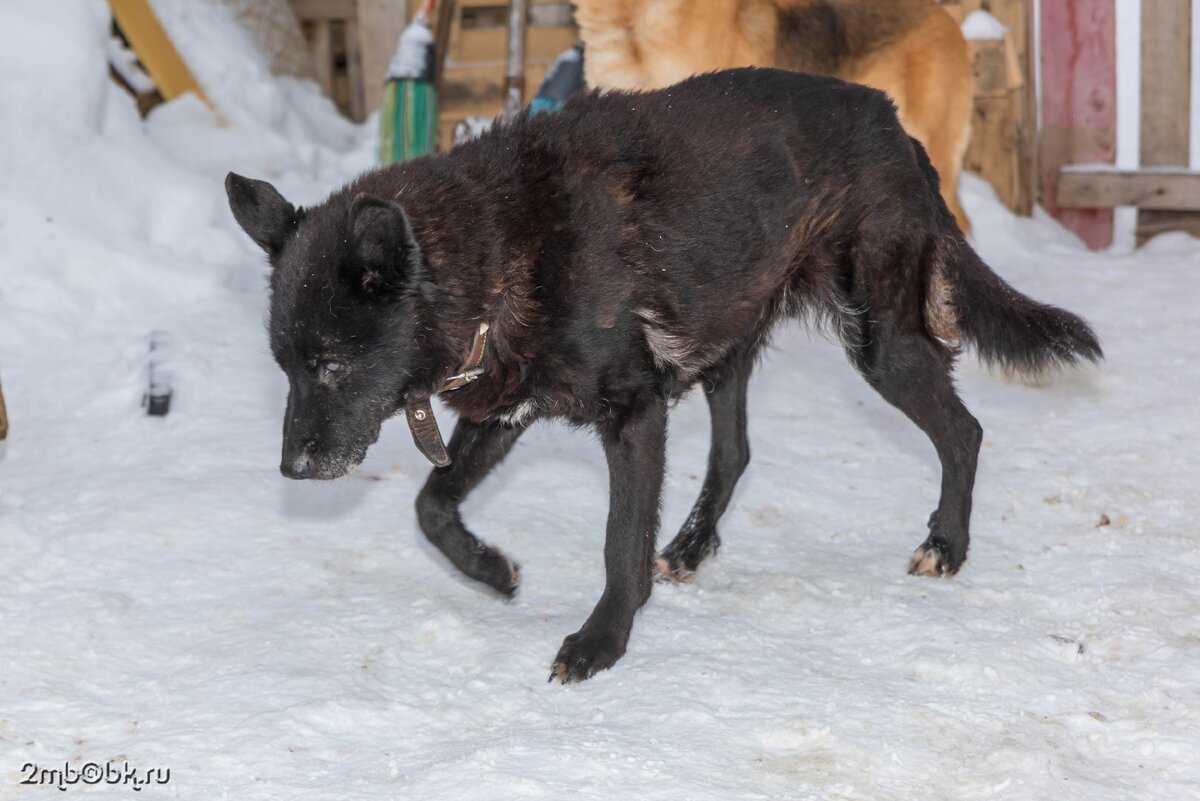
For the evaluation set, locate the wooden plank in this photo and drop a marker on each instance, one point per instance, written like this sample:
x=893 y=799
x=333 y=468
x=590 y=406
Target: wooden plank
x=1176 y=190
x=1017 y=16
x=989 y=67
x=446 y=12
x=478 y=89
x=514 y=71
x=1165 y=98
x=354 y=73
x=155 y=50
x=1079 y=104
x=306 y=10
x=490 y=44
x=1152 y=223
x=1165 y=90
x=1003 y=139
x=503 y=4
x=276 y=31
x=991 y=153
x=380 y=23
x=321 y=47
x=1027 y=133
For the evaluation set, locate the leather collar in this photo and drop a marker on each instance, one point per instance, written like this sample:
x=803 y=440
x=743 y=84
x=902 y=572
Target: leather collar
x=419 y=411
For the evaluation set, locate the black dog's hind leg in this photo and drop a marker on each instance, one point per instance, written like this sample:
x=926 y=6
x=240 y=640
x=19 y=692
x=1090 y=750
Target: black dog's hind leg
x=728 y=456
x=474 y=450
x=912 y=375
x=635 y=449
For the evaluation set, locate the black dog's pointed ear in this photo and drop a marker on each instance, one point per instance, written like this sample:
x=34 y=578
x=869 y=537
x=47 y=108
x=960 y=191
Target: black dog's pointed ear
x=261 y=211
x=386 y=253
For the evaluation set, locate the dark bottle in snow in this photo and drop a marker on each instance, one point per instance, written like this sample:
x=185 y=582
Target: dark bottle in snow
x=157 y=399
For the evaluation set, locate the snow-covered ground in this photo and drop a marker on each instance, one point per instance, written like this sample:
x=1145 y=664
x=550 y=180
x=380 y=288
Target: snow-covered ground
x=168 y=599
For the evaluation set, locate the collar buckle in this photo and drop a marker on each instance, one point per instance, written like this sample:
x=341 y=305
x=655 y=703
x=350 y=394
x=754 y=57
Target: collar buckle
x=459 y=380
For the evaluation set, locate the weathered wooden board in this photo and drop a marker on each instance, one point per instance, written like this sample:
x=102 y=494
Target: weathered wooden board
x=992 y=152
x=1175 y=190
x=323 y=9
x=1017 y=16
x=543 y=45
x=1165 y=98
x=277 y=33
x=379 y=25
x=1079 y=104
x=1004 y=116
x=154 y=49
x=365 y=33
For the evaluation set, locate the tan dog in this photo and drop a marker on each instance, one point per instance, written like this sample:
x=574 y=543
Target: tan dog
x=911 y=49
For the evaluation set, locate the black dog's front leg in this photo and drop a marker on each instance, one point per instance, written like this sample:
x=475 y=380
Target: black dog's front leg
x=474 y=450
x=635 y=448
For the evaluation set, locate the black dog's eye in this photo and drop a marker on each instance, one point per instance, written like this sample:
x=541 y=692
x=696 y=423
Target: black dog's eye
x=329 y=369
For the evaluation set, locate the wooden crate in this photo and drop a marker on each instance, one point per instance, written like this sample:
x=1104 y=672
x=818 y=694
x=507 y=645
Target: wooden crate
x=473 y=82
x=352 y=43
x=1003 y=141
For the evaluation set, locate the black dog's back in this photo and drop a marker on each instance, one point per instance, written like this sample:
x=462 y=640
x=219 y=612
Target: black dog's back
x=747 y=186
x=796 y=193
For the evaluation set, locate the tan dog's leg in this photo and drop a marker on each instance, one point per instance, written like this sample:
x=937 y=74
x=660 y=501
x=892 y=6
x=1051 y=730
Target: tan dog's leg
x=928 y=75
x=940 y=93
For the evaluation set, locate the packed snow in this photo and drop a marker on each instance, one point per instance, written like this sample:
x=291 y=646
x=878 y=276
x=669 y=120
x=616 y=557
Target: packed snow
x=981 y=25
x=170 y=601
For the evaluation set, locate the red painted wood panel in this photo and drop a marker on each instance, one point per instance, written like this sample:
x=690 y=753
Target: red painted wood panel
x=1079 y=103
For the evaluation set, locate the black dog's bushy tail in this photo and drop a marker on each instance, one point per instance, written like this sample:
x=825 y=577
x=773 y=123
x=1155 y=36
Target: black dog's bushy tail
x=1005 y=328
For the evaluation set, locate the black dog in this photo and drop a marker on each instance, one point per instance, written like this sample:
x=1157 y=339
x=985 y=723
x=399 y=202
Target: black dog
x=595 y=263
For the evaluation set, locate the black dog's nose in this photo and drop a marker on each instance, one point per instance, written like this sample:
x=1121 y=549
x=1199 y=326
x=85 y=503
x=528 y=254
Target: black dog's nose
x=300 y=467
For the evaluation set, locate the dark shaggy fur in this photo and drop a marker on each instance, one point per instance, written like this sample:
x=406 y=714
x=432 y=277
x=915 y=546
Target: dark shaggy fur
x=622 y=251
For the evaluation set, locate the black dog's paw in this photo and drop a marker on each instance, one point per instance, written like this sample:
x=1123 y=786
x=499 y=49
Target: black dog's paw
x=584 y=654
x=671 y=570
x=927 y=561
x=678 y=564
x=497 y=571
x=936 y=558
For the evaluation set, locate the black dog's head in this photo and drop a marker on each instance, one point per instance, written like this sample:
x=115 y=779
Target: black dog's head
x=346 y=279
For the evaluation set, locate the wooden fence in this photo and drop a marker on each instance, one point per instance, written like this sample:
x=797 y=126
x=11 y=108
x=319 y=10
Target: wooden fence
x=1078 y=136
x=1061 y=155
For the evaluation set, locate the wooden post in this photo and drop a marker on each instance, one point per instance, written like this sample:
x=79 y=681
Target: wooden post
x=1027 y=139
x=1003 y=145
x=1165 y=94
x=1079 y=103
x=441 y=39
x=354 y=72
x=514 y=79
x=376 y=34
x=1017 y=16
x=322 y=54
